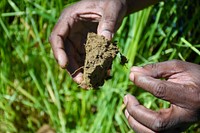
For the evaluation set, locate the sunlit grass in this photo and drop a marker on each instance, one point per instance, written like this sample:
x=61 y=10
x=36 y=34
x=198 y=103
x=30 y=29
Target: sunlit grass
x=35 y=91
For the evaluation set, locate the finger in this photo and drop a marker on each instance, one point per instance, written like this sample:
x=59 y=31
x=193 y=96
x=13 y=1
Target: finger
x=75 y=70
x=73 y=57
x=162 y=69
x=87 y=9
x=78 y=78
x=166 y=90
x=92 y=17
x=74 y=67
x=78 y=52
x=107 y=25
x=136 y=126
x=59 y=33
x=165 y=119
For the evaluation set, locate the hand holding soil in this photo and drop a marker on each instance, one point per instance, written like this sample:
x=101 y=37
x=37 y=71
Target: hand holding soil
x=76 y=21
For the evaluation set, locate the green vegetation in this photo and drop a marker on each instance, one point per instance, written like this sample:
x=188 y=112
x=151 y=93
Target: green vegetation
x=35 y=91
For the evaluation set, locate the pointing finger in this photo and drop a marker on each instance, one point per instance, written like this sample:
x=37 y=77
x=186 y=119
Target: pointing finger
x=161 y=69
x=166 y=90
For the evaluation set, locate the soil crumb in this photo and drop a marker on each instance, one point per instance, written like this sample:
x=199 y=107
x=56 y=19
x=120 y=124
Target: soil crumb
x=99 y=56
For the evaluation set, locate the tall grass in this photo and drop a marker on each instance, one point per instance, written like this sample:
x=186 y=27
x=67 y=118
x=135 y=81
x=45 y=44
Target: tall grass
x=34 y=91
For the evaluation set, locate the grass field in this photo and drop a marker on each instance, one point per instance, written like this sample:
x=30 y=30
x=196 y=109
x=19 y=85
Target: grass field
x=34 y=91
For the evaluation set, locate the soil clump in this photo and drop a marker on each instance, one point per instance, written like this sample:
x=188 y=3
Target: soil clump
x=99 y=56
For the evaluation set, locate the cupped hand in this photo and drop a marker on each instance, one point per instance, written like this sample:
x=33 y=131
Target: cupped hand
x=69 y=34
x=181 y=88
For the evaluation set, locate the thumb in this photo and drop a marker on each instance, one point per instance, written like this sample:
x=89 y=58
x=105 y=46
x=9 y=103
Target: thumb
x=106 y=27
x=110 y=20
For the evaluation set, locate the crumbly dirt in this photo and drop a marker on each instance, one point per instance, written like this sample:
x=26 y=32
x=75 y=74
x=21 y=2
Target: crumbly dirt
x=99 y=56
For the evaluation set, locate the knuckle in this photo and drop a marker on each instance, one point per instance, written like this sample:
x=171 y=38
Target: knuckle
x=151 y=66
x=160 y=90
x=131 y=109
x=177 y=63
x=192 y=96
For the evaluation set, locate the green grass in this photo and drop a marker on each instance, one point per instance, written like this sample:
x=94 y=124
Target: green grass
x=35 y=91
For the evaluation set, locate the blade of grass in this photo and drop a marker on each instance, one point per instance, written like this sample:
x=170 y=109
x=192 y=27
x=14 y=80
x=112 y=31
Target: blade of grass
x=190 y=45
x=21 y=90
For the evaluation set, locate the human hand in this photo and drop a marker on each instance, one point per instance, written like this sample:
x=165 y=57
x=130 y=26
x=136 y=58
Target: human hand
x=181 y=88
x=69 y=34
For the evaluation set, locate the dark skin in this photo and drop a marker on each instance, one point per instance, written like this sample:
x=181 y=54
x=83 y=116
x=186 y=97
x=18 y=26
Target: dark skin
x=181 y=87
x=69 y=34
x=100 y=16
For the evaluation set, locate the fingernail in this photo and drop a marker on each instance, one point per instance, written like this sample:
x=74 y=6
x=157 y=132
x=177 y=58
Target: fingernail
x=131 y=76
x=126 y=114
x=125 y=100
x=78 y=78
x=107 y=34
